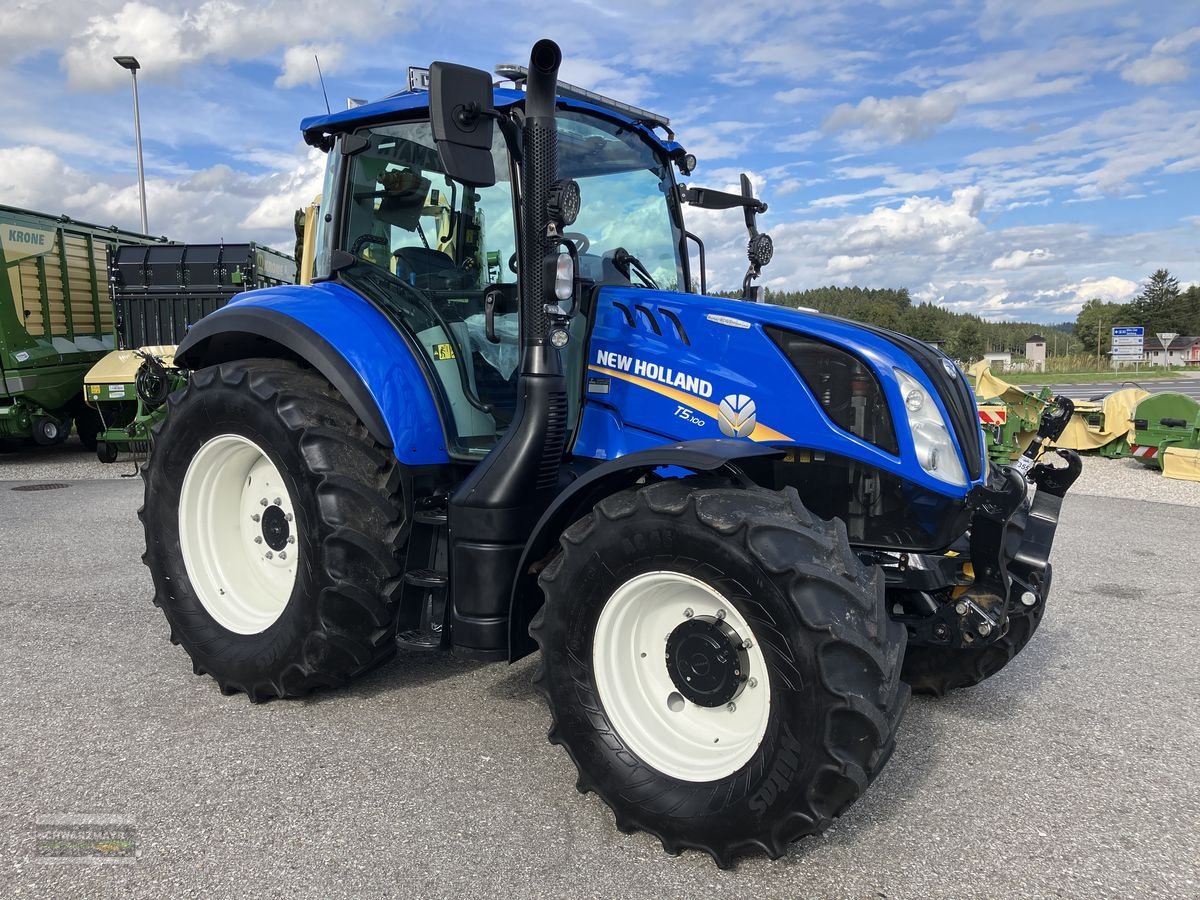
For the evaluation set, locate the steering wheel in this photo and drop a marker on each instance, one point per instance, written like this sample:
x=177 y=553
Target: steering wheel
x=363 y=239
x=580 y=240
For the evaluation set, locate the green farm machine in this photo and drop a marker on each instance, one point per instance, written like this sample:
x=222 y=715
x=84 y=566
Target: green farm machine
x=55 y=322
x=157 y=294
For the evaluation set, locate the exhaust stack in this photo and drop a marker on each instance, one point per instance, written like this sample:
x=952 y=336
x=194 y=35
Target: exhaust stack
x=495 y=508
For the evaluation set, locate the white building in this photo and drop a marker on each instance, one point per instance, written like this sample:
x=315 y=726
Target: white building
x=1035 y=352
x=1168 y=349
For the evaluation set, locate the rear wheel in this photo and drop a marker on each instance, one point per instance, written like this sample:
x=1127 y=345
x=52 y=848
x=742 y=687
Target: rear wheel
x=719 y=665
x=50 y=432
x=272 y=524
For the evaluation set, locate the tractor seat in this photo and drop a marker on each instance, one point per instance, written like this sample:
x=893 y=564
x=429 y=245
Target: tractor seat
x=418 y=264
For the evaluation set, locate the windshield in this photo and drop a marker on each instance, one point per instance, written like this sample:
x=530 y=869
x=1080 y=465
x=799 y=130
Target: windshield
x=625 y=189
x=405 y=215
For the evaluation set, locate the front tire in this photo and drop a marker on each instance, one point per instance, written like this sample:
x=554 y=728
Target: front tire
x=273 y=524
x=937 y=670
x=661 y=601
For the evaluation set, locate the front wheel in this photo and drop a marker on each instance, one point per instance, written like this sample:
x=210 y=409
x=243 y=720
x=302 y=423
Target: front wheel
x=719 y=665
x=273 y=522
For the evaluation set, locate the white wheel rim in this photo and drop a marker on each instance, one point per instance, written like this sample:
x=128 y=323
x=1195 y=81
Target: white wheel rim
x=238 y=533
x=685 y=741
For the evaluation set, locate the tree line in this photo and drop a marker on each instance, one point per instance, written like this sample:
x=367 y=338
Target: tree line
x=1161 y=306
x=964 y=336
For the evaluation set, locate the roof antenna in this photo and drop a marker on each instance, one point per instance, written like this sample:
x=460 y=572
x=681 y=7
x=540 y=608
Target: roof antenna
x=322 y=77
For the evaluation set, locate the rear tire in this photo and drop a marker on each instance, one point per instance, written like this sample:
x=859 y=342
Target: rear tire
x=811 y=734
x=334 y=504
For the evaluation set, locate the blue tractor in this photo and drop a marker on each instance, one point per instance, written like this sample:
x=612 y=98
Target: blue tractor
x=502 y=420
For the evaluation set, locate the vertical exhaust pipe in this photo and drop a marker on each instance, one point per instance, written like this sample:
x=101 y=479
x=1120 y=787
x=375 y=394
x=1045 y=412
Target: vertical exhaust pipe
x=494 y=510
x=541 y=171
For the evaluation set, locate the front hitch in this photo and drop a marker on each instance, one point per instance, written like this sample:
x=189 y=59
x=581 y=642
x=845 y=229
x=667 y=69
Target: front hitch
x=1010 y=539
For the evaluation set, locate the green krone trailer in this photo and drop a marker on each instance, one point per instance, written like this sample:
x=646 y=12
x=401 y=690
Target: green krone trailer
x=56 y=321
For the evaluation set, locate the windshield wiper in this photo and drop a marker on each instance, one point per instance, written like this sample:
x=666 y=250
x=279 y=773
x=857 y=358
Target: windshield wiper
x=626 y=263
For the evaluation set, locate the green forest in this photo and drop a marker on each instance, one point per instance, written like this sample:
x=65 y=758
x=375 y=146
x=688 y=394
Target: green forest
x=1161 y=306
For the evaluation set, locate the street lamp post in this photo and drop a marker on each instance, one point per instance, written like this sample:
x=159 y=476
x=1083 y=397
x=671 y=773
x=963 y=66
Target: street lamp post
x=131 y=63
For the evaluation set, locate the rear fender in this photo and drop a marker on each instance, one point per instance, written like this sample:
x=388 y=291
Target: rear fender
x=710 y=455
x=367 y=359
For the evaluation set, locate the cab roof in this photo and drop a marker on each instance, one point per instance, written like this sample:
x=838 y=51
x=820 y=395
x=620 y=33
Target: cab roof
x=397 y=106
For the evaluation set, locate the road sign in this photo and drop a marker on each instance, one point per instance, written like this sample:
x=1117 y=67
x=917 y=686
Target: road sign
x=1127 y=343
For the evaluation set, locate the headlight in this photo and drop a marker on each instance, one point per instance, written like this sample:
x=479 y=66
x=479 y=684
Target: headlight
x=931 y=438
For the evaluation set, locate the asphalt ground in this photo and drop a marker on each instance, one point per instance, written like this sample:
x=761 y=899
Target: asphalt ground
x=1073 y=773
x=1184 y=384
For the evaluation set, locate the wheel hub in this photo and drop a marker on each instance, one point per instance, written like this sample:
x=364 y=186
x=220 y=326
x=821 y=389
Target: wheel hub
x=275 y=529
x=706 y=661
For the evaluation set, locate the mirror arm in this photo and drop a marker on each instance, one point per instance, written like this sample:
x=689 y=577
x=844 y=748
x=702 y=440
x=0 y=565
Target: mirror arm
x=688 y=236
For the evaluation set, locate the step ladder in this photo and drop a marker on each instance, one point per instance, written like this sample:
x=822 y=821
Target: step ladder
x=423 y=600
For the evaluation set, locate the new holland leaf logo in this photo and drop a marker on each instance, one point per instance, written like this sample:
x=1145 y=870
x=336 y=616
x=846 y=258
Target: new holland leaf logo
x=736 y=416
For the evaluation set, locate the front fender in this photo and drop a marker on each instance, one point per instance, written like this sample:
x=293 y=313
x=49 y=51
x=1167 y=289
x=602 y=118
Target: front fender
x=351 y=343
x=710 y=455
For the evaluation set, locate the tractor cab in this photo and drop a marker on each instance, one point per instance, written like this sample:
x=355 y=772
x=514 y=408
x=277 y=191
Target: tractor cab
x=442 y=256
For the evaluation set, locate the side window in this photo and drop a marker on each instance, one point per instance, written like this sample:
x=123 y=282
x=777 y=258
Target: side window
x=437 y=248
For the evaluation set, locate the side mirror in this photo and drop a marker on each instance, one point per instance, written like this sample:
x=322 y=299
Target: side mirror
x=461 y=113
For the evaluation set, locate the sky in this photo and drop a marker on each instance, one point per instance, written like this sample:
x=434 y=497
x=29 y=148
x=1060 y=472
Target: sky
x=1010 y=158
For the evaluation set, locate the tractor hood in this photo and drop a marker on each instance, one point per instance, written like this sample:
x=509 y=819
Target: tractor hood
x=681 y=366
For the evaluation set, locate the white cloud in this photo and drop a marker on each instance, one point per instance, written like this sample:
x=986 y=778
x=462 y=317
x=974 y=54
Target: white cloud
x=1177 y=43
x=169 y=36
x=1069 y=298
x=300 y=63
x=1019 y=259
x=919 y=224
x=843 y=264
x=212 y=204
x=894 y=119
x=1156 y=70
x=799 y=95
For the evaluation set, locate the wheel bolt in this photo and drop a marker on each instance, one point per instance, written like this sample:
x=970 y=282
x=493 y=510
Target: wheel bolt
x=1029 y=598
x=732 y=707
x=961 y=609
x=255 y=517
x=258 y=540
x=753 y=682
x=291 y=539
x=746 y=645
x=288 y=517
x=278 y=502
x=283 y=554
x=687 y=613
x=270 y=555
x=264 y=502
x=720 y=614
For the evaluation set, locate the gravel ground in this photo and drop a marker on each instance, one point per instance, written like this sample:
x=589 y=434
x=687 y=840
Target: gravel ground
x=1071 y=774
x=67 y=462
x=1128 y=479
